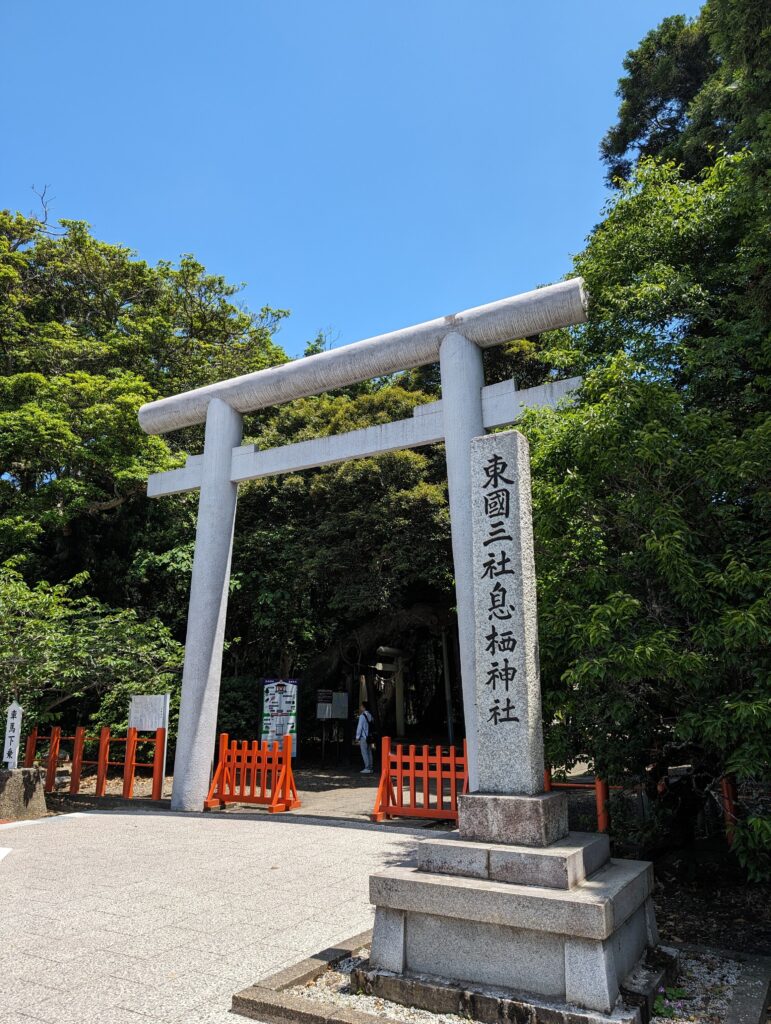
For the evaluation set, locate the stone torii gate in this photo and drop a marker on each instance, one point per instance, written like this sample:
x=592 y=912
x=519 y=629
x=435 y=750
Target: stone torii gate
x=466 y=410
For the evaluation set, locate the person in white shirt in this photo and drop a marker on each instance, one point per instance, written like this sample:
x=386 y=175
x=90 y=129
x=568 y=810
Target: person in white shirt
x=362 y=735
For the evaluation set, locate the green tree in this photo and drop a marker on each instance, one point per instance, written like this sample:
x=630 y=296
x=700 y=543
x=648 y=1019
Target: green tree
x=694 y=87
x=651 y=496
x=59 y=646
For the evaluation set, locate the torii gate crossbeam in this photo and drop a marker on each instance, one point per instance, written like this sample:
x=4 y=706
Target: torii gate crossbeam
x=466 y=409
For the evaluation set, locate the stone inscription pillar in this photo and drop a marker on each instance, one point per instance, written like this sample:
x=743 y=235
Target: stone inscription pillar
x=508 y=688
x=460 y=362
x=208 y=608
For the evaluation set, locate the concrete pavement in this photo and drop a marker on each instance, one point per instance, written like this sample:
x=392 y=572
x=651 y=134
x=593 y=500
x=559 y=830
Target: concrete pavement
x=140 y=918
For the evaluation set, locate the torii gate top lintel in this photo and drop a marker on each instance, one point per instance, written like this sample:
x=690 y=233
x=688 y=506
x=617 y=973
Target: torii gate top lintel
x=519 y=316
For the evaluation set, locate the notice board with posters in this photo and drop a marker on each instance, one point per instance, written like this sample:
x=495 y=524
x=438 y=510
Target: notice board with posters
x=279 y=711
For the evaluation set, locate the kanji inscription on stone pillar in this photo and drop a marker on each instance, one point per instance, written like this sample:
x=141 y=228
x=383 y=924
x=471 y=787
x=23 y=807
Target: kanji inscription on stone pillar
x=508 y=691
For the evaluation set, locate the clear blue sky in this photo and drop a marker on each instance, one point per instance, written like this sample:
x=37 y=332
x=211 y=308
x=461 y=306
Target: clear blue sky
x=366 y=165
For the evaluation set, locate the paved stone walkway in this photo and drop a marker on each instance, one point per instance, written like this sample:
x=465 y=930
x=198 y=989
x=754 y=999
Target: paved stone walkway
x=135 y=918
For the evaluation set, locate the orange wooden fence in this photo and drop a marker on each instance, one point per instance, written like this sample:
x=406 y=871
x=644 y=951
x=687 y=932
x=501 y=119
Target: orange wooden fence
x=79 y=739
x=419 y=784
x=601 y=796
x=254 y=773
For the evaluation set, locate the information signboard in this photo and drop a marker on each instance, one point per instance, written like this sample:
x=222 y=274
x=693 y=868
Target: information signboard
x=148 y=712
x=323 y=704
x=331 y=704
x=340 y=704
x=279 y=711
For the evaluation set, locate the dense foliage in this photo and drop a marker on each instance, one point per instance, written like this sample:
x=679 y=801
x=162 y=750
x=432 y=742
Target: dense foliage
x=651 y=490
x=652 y=494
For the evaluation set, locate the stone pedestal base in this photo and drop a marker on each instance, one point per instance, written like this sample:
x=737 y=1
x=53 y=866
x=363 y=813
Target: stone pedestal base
x=472 y=913
x=525 y=820
x=21 y=793
x=493 y=1006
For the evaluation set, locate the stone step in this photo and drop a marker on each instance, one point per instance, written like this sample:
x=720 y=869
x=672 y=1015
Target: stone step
x=594 y=909
x=563 y=865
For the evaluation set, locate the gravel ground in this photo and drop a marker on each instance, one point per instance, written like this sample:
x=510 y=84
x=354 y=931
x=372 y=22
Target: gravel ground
x=703 y=991
x=333 y=986
x=702 y=994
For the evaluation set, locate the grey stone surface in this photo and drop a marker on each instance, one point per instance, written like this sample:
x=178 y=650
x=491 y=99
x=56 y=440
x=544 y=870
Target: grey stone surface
x=650 y=923
x=269 y=1007
x=454 y=857
x=518 y=316
x=628 y=942
x=196 y=735
x=486 y=954
x=508 y=689
x=502 y=403
x=388 y=940
x=519 y=820
x=562 y=865
x=187 y=909
x=311 y=967
x=22 y=795
x=593 y=910
x=628 y=897
x=445 y=996
x=753 y=992
x=591 y=977
x=462 y=373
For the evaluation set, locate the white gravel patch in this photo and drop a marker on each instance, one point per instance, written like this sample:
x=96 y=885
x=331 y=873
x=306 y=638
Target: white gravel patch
x=333 y=986
x=702 y=992
x=701 y=995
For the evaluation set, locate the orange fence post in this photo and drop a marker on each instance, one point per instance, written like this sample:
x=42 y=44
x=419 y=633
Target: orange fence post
x=129 y=762
x=283 y=784
x=728 y=794
x=214 y=798
x=159 y=767
x=290 y=797
x=29 y=749
x=77 y=759
x=602 y=796
x=547 y=780
x=102 y=758
x=53 y=758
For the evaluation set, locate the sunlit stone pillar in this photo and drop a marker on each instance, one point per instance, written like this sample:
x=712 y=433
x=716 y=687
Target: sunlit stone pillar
x=208 y=609
x=460 y=361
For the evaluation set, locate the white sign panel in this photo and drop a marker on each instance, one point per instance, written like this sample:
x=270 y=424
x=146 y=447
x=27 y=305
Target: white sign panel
x=148 y=713
x=339 y=705
x=323 y=704
x=279 y=711
x=12 y=736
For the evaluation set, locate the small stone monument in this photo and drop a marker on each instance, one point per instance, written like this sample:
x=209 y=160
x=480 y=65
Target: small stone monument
x=12 y=735
x=512 y=902
x=21 y=789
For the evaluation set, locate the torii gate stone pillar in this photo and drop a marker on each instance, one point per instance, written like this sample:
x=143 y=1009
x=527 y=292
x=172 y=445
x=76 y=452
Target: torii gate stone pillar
x=467 y=409
x=208 y=608
x=462 y=374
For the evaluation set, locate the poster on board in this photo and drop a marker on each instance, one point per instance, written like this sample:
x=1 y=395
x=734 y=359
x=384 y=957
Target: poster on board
x=279 y=711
